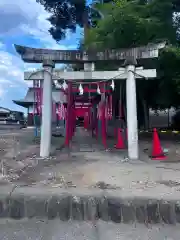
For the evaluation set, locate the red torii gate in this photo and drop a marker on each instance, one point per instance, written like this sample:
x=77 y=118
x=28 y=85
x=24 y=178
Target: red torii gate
x=82 y=108
x=76 y=106
x=87 y=89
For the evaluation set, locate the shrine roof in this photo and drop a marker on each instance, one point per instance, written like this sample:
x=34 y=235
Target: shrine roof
x=4 y=110
x=22 y=103
x=29 y=99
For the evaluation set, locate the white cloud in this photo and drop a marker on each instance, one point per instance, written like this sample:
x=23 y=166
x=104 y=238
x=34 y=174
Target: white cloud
x=11 y=73
x=2 y=93
x=27 y=17
x=15 y=14
x=21 y=19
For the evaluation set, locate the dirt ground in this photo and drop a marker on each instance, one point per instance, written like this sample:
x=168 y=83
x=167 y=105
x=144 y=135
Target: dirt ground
x=87 y=165
x=19 y=151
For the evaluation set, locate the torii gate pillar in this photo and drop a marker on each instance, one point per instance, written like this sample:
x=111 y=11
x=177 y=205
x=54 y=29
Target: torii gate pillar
x=46 y=124
x=132 y=126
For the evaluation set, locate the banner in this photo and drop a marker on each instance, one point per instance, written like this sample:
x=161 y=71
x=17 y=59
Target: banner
x=108 y=110
x=99 y=111
x=61 y=111
x=37 y=97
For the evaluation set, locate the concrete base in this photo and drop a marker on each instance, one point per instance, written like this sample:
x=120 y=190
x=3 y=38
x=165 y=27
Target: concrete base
x=92 y=205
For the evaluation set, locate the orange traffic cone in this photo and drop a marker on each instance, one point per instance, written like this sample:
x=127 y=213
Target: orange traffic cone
x=120 y=142
x=157 y=152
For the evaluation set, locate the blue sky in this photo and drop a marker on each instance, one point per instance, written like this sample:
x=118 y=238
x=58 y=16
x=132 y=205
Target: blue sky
x=23 y=22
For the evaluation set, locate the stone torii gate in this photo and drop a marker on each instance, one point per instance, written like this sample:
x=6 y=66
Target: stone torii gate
x=130 y=72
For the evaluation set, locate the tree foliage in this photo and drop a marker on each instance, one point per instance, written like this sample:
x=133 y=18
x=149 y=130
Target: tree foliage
x=65 y=14
x=68 y=14
x=128 y=23
x=135 y=23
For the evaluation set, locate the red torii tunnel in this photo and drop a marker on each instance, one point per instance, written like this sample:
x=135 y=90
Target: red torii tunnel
x=85 y=106
x=78 y=106
x=82 y=108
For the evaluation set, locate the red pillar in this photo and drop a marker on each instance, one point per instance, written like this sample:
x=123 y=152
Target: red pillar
x=104 y=126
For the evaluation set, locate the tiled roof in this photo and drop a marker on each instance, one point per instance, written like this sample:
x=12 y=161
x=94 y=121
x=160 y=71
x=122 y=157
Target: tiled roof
x=57 y=96
x=5 y=110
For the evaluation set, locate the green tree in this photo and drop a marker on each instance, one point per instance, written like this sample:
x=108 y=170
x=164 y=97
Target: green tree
x=129 y=24
x=135 y=23
x=68 y=14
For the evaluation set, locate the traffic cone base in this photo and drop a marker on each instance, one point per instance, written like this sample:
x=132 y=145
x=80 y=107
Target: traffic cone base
x=120 y=142
x=157 y=152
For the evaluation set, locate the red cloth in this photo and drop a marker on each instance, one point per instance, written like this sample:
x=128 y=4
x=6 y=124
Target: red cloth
x=61 y=111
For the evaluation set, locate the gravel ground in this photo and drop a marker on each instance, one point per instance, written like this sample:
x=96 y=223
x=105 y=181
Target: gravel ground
x=87 y=165
x=56 y=230
x=19 y=151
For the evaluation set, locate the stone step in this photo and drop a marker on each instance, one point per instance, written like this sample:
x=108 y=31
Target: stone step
x=83 y=208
